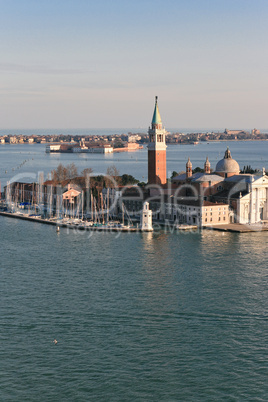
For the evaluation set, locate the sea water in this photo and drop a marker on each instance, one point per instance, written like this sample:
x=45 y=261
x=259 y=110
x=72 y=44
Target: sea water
x=143 y=316
x=24 y=161
x=152 y=316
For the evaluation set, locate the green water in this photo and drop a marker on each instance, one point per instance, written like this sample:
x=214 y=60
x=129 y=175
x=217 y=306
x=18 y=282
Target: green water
x=137 y=317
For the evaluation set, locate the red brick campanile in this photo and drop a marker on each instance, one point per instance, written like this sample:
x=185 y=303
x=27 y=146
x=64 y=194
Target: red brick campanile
x=157 y=171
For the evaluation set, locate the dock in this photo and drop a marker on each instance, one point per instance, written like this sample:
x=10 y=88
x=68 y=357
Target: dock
x=239 y=227
x=104 y=228
x=230 y=227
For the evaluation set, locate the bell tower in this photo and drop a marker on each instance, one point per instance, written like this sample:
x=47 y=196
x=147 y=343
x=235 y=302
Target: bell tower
x=157 y=150
x=207 y=166
x=189 y=169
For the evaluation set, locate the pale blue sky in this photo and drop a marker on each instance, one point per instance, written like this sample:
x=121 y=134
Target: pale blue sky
x=74 y=64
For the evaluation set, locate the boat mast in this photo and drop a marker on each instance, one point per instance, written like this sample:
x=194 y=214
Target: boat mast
x=107 y=205
x=82 y=204
x=102 y=212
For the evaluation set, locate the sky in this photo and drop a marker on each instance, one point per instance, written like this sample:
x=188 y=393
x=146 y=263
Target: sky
x=88 y=64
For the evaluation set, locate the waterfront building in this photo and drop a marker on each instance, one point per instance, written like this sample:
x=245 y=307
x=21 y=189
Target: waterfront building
x=246 y=195
x=234 y=132
x=79 y=148
x=157 y=150
x=53 y=148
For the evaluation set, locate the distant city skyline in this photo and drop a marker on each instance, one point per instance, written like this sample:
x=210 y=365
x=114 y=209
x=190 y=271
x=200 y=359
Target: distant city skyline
x=70 y=64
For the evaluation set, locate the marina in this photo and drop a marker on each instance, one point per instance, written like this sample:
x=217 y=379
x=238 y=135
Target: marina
x=78 y=225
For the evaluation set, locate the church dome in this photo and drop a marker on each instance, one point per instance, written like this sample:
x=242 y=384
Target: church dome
x=227 y=165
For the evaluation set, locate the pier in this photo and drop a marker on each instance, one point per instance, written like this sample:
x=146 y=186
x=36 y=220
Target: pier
x=231 y=227
x=240 y=228
x=97 y=228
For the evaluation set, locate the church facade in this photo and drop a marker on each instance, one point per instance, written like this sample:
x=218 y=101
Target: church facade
x=205 y=198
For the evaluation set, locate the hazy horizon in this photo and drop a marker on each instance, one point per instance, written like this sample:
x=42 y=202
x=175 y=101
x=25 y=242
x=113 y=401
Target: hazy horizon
x=107 y=131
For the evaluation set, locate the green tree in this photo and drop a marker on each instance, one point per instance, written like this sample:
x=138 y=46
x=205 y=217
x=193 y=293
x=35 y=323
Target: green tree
x=128 y=179
x=198 y=170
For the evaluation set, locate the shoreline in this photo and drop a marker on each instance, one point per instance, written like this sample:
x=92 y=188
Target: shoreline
x=80 y=228
x=232 y=227
x=144 y=143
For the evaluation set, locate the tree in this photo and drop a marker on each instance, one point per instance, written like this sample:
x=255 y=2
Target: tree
x=62 y=173
x=112 y=172
x=142 y=184
x=128 y=179
x=198 y=170
x=174 y=174
x=118 y=143
x=86 y=172
x=72 y=171
x=59 y=174
x=248 y=169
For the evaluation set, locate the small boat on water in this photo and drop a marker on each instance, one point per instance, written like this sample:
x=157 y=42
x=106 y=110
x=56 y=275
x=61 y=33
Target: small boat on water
x=186 y=227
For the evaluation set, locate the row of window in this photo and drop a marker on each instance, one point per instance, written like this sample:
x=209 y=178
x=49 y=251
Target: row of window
x=218 y=209
x=211 y=219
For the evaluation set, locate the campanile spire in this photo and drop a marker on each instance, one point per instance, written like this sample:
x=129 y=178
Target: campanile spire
x=156 y=120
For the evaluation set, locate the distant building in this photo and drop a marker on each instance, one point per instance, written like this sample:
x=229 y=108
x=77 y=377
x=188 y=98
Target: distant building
x=234 y=132
x=13 y=140
x=255 y=131
x=53 y=148
x=134 y=138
